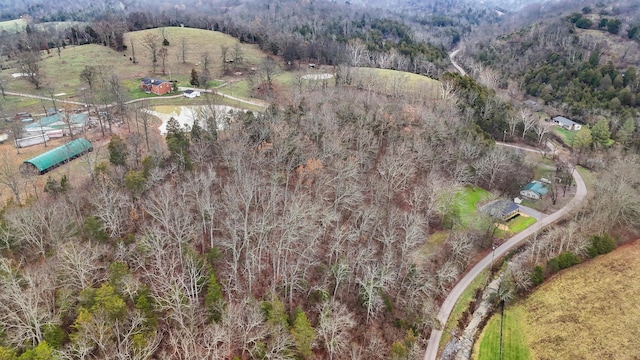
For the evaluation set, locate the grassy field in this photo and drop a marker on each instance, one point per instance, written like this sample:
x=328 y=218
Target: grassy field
x=468 y=200
x=514 y=345
x=61 y=73
x=13 y=26
x=587 y=312
x=199 y=43
x=515 y=226
x=390 y=82
x=565 y=135
x=462 y=305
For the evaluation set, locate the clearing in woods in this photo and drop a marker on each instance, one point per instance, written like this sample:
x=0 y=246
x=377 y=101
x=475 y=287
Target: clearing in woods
x=587 y=312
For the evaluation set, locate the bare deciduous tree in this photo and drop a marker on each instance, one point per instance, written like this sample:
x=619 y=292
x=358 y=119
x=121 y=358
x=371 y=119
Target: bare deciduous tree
x=334 y=323
x=151 y=42
x=528 y=120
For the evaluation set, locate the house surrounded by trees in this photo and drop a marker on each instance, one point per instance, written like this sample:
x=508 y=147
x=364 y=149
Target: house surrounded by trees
x=566 y=123
x=534 y=190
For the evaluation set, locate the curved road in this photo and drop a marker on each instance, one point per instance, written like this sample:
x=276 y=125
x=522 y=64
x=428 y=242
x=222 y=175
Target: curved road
x=457 y=66
x=452 y=298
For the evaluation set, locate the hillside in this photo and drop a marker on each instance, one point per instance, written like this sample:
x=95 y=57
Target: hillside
x=588 y=312
x=61 y=72
x=580 y=63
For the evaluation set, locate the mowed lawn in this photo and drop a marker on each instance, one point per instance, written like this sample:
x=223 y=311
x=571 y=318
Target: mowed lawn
x=467 y=202
x=567 y=136
x=590 y=311
x=514 y=346
x=515 y=226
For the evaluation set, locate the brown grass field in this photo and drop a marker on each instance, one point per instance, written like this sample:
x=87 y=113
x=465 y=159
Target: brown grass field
x=588 y=312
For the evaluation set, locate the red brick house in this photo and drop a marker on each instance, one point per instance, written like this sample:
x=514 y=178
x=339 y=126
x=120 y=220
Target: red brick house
x=156 y=86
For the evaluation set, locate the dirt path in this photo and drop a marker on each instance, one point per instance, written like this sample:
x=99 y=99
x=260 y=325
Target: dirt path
x=258 y=104
x=448 y=304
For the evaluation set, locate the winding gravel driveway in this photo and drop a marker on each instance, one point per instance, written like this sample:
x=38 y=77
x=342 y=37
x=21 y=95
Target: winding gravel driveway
x=452 y=298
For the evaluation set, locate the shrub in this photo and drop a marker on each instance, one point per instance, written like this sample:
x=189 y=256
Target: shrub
x=567 y=259
x=537 y=276
x=94 y=230
x=601 y=245
x=55 y=336
x=553 y=266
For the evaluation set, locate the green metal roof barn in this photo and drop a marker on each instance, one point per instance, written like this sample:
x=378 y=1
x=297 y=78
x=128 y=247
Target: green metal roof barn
x=62 y=154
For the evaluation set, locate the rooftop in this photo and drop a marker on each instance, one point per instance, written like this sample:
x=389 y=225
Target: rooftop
x=149 y=81
x=537 y=187
x=500 y=208
x=60 y=154
x=56 y=121
x=564 y=121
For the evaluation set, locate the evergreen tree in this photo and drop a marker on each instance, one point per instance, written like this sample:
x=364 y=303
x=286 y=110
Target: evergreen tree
x=625 y=133
x=117 y=151
x=303 y=335
x=583 y=139
x=600 y=133
x=194 y=78
x=178 y=143
x=213 y=300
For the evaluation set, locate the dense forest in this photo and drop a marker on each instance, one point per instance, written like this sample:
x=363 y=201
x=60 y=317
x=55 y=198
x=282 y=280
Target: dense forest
x=579 y=63
x=327 y=226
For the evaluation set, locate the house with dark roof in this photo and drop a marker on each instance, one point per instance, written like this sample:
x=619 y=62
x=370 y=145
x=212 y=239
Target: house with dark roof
x=566 y=123
x=534 y=190
x=501 y=209
x=191 y=93
x=156 y=86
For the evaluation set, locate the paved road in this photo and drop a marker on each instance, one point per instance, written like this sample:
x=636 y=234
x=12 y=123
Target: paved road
x=450 y=301
x=532 y=212
x=457 y=66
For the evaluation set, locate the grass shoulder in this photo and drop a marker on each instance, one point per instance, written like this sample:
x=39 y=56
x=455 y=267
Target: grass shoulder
x=462 y=305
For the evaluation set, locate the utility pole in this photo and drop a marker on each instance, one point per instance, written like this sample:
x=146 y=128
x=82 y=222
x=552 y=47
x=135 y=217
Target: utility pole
x=501 y=325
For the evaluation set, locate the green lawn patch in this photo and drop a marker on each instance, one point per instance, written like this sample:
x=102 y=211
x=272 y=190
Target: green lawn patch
x=514 y=344
x=587 y=176
x=467 y=202
x=565 y=135
x=462 y=305
x=238 y=89
x=515 y=226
